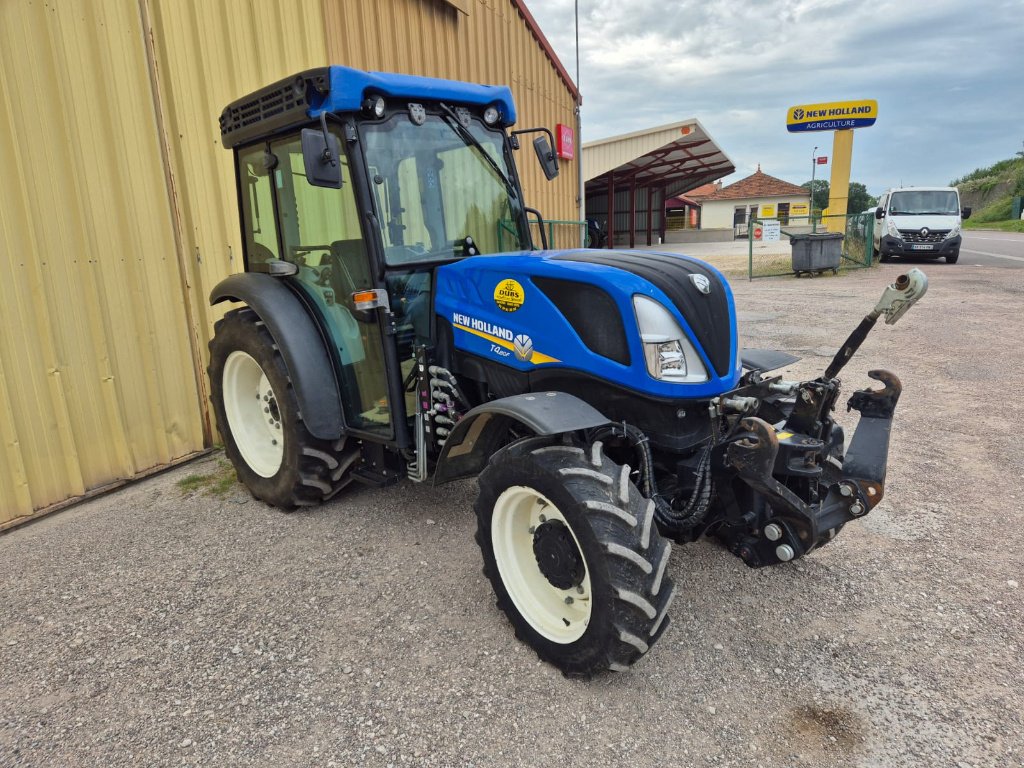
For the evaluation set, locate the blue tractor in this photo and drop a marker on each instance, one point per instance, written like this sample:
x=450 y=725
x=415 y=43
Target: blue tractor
x=398 y=322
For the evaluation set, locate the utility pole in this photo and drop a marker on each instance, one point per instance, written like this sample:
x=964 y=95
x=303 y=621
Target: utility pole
x=814 y=167
x=581 y=191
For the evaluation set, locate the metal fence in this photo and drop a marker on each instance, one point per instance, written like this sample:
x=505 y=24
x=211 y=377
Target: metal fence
x=773 y=258
x=560 y=234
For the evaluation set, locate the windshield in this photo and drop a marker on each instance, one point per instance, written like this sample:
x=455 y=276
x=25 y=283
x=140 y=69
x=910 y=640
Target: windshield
x=936 y=202
x=433 y=188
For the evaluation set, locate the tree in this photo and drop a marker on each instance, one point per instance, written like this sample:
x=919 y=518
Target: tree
x=819 y=199
x=858 y=198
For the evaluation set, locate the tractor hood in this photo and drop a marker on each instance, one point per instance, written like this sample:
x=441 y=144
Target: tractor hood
x=575 y=310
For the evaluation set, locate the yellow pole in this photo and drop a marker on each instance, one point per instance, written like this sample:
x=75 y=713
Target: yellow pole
x=839 y=184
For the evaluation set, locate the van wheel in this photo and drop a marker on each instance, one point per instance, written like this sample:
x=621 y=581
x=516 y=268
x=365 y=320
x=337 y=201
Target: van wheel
x=952 y=257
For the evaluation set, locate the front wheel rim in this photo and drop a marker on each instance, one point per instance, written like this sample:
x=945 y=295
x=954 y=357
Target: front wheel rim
x=559 y=615
x=253 y=414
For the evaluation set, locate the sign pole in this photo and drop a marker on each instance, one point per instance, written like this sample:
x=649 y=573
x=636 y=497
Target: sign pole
x=839 y=185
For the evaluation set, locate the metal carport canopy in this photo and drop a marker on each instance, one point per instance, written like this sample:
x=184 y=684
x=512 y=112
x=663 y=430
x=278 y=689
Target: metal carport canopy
x=676 y=158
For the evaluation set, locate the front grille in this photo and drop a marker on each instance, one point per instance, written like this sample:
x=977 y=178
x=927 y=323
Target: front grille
x=915 y=236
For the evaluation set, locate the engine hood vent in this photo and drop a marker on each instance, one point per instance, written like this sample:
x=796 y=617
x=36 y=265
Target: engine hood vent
x=707 y=313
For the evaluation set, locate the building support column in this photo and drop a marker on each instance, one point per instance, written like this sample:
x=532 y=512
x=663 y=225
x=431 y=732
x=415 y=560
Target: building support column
x=632 y=214
x=650 y=213
x=610 y=224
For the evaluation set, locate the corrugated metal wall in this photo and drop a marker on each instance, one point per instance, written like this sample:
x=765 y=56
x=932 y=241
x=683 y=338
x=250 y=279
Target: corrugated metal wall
x=491 y=44
x=118 y=212
x=96 y=374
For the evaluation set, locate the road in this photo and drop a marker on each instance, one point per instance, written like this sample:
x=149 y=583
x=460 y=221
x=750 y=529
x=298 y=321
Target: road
x=991 y=248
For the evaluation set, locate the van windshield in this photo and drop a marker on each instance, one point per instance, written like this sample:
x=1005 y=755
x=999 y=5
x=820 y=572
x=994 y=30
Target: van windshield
x=923 y=202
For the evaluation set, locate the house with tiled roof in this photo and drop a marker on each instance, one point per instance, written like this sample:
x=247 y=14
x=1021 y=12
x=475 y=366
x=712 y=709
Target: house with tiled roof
x=757 y=196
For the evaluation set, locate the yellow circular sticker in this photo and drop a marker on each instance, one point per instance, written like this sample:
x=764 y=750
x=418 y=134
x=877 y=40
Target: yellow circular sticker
x=509 y=295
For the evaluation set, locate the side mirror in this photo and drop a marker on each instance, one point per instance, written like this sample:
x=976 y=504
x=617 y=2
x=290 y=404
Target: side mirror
x=548 y=160
x=320 y=155
x=965 y=213
x=879 y=213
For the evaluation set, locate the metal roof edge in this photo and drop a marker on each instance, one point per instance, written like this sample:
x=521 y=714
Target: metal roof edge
x=643 y=132
x=542 y=40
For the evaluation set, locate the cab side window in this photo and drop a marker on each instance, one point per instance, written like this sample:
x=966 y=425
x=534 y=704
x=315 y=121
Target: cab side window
x=259 y=226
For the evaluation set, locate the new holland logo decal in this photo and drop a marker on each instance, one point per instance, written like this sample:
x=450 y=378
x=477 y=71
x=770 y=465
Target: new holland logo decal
x=504 y=343
x=522 y=345
x=701 y=283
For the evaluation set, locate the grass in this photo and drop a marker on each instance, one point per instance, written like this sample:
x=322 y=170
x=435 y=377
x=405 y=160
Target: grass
x=218 y=483
x=1009 y=225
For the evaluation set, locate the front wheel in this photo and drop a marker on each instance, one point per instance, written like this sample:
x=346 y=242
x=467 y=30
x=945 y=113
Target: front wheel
x=571 y=549
x=258 y=416
x=952 y=257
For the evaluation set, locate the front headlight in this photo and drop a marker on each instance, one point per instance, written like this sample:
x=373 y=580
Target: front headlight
x=891 y=226
x=953 y=232
x=665 y=357
x=668 y=353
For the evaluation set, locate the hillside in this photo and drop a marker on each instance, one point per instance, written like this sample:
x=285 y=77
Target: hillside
x=990 y=192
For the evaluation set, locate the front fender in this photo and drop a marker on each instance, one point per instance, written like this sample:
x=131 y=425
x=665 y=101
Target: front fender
x=301 y=345
x=484 y=429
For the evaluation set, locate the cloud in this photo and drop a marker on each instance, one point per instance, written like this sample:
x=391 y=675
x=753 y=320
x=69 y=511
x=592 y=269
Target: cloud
x=948 y=77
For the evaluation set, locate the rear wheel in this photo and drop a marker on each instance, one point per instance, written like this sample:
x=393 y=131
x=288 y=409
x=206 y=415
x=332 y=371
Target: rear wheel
x=258 y=416
x=572 y=551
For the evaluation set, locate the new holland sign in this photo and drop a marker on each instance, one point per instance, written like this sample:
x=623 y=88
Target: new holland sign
x=834 y=116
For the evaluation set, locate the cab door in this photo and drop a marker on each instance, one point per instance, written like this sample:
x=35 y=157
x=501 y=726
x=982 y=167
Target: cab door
x=318 y=230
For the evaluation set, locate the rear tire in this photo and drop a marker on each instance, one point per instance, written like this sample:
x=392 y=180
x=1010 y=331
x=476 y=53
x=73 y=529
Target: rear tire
x=258 y=416
x=573 y=553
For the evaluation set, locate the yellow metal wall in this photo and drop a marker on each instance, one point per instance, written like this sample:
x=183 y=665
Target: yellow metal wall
x=96 y=375
x=118 y=210
x=490 y=44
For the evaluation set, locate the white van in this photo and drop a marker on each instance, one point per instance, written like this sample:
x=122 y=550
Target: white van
x=919 y=221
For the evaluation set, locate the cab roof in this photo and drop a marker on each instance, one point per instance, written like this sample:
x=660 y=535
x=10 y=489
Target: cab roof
x=297 y=99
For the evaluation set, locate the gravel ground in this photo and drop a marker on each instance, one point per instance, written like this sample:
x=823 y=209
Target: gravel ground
x=155 y=626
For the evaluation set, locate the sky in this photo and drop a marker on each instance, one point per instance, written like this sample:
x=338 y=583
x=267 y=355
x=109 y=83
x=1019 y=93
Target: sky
x=948 y=77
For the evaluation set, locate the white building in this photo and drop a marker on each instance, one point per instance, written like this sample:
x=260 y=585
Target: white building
x=757 y=196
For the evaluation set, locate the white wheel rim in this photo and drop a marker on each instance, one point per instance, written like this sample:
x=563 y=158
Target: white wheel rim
x=517 y=512
x=253 y=415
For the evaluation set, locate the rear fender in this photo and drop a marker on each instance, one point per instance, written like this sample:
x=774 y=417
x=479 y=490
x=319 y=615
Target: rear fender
x=485 y=429
x=301 y=345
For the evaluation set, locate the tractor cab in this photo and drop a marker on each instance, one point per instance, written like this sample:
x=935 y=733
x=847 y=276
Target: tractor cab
x=356 y=186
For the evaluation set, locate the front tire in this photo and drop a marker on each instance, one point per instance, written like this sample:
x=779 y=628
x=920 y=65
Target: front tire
x=575 y=558
x=258 y=416
x=953 y=257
